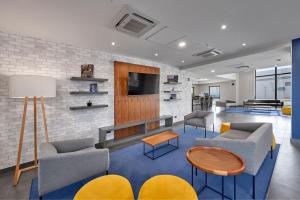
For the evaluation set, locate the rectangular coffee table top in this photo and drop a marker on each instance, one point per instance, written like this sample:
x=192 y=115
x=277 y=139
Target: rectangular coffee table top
x=160 y=138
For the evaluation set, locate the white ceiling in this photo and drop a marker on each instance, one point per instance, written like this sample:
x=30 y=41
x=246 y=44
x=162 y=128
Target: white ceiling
x=262 y=24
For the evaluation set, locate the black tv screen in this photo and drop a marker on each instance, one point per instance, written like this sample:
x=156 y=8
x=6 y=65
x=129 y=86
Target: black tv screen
x=140 y=83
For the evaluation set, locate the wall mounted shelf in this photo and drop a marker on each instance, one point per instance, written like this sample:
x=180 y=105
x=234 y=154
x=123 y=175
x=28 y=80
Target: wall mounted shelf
x=88 y=79
x=87 y=107
x=88 y=93
x=170 y=91
x=172 y=83
x=172 y=99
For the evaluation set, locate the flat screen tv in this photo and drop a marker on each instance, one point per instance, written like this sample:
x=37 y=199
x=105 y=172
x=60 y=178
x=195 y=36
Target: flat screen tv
x=142 y=84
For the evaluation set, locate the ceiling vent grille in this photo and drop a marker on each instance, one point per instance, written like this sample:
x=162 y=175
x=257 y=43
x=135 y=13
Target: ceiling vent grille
x=133 y=22
x=209 y=53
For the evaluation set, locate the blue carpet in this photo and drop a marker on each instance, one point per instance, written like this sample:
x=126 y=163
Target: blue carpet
x=132 y=164
x=254 y=111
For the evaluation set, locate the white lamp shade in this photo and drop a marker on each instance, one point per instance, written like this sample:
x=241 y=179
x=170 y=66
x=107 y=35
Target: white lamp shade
x=31 y=86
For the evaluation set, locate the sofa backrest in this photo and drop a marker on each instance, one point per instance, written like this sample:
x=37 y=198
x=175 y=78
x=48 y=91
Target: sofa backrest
x=249 y=127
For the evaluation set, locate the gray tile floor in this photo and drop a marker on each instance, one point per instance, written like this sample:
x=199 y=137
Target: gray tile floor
x=285 y=183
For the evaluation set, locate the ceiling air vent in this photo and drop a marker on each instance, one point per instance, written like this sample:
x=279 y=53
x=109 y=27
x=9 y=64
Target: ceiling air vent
x=209 y=53
x=133 y=22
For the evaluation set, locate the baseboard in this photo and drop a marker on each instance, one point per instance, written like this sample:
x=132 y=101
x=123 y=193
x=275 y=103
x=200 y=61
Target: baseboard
x=295 y=142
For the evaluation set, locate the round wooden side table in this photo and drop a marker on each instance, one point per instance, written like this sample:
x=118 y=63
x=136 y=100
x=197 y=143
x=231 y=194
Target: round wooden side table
x=110 y=187
x=215 y=161
x=167 y=187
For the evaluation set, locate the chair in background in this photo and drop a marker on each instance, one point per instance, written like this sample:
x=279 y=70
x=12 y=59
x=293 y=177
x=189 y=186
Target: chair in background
x=62 y=163
x=199 y=118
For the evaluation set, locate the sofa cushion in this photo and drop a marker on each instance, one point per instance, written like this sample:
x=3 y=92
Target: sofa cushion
x=236 y=134
x=195 y=122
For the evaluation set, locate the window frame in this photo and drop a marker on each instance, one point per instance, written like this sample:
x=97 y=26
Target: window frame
x=217 y=86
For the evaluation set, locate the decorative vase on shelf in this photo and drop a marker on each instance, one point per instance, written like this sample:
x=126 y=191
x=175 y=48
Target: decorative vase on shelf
x=89 y=103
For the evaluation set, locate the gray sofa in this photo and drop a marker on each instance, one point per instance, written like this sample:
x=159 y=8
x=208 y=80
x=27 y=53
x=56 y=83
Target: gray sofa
x=62 y=163
x=199 y=118
x=225 y=104
x=252 y=141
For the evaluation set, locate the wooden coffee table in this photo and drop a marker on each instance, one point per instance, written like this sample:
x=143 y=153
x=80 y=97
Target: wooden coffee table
x=160 y=139
x=215 y=161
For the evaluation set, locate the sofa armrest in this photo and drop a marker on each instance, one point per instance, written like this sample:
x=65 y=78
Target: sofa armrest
x=64 y=169
x=66 y=146
x=189 y=116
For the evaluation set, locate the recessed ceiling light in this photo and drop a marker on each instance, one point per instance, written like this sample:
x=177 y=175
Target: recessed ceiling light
x=202 y=79
x=182 y=61
x=213 y=71
x=156 y=54
x=182 y=44
x=223 y=27
x=244 y=44
x=113 y=43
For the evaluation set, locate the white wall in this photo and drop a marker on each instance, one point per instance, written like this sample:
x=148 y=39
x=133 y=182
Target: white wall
x=27 y=55
x=227 y=90
x=246 y=85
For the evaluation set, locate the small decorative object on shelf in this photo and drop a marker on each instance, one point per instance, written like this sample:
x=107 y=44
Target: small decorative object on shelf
x=93 y=88
x=89 y=103
x=173 y=96
x=87 y=71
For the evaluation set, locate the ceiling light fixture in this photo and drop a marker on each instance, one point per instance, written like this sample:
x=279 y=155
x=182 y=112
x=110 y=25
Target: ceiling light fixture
x=156 y=54
x=213 y=71
x=182 y=61
x=182 y=44
x=244 y=44
x=113 y=43
x=223 y=27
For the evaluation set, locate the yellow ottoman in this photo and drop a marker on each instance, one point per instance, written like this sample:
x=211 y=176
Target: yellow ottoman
x=225 y=126
x=167 y=187
x=110 y=187
x=286 y=110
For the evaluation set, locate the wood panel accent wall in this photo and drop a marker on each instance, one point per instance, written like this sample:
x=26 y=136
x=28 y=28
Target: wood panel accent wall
x=133 y=108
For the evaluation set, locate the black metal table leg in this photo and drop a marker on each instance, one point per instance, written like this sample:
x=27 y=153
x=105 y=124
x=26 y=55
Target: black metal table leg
x=222 y=187
x=152 y=152
x=192 y=175
x=205 y=179
x=196 y=171
x=144 y=147
x=234 y=187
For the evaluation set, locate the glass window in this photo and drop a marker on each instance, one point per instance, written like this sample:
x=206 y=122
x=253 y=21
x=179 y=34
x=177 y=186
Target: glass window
x=284 y=69
x=214 y=91
x=284 y=86
x=265 y=87
x=266 y=71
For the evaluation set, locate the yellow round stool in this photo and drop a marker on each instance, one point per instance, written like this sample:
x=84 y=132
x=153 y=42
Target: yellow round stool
x=286 y=110
x=167 y=187
x=110 y=187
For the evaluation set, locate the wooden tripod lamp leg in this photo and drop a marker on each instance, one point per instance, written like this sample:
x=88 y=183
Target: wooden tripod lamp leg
x=35 y=131
x=45 y=119
x=17 y=171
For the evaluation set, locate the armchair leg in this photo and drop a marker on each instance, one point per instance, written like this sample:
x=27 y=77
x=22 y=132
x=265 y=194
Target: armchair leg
x=253 y=188
x=271 y=153
x=213 y=128
x=184 y=128
x=205 y=132
x=40 y=197
x=106 y=172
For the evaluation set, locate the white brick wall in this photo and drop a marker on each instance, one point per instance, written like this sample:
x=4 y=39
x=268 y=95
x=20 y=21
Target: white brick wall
x=27 y=55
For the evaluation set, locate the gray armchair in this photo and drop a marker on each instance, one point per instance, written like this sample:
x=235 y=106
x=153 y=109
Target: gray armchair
x=199 y=118
x=252 y=141
x=62 y=163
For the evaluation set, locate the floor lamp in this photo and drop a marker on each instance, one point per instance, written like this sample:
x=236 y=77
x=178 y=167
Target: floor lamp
x=27 y=87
